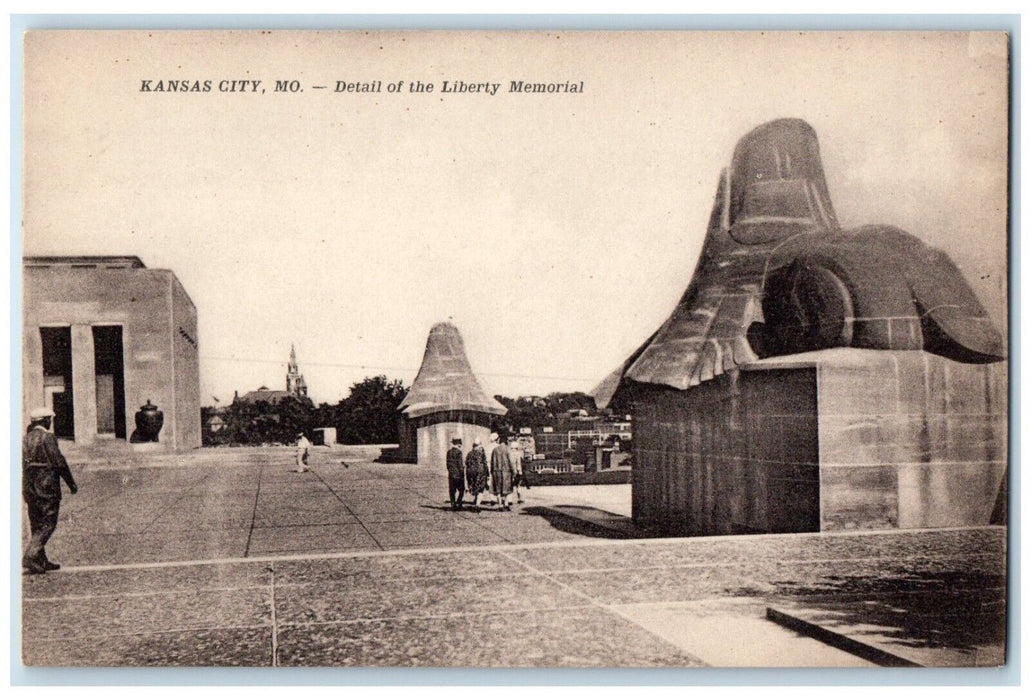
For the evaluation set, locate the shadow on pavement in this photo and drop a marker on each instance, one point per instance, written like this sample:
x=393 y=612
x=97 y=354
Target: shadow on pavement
x=575 y=526
x=919 y=609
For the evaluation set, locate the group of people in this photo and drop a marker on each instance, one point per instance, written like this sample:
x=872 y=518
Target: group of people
x=496 y=468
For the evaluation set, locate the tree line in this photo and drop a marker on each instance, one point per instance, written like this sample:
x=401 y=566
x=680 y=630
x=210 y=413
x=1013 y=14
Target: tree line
x=368 y=415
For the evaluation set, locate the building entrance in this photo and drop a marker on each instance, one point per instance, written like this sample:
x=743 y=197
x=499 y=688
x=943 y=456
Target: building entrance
x=57 y=378
x=110 y=380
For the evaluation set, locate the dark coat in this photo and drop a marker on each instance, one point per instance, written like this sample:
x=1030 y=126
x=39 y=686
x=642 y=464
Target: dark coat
x=454 y=463
x=502 y=472
x=43 y=466
x=476 y=471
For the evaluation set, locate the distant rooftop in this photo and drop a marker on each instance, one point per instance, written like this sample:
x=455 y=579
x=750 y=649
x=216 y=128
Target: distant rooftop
x=267 y=395
x=84 y=261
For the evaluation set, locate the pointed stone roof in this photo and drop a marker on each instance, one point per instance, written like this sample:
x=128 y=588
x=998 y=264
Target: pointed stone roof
x=446 y=381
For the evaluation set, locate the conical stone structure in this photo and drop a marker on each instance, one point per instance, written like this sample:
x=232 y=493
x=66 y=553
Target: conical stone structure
x=445 y=402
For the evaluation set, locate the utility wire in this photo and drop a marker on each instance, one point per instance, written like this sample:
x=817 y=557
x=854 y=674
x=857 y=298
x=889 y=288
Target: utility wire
x=391 y=369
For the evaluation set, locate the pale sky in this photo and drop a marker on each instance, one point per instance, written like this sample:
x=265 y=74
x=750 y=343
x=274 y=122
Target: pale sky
x=557 y=231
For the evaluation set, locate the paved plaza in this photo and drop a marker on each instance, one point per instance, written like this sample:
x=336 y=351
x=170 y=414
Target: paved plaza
x=227 y=557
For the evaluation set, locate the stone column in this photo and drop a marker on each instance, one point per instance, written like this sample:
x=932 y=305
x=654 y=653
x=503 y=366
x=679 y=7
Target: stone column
x=84 y=384
x=32 y=372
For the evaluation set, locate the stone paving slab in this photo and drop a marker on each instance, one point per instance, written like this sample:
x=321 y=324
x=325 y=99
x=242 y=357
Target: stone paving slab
x=155 y=547
x=732 y=632
x=144 y=580
x=212 y=647
x=309 y=538
x=392 y=569
x=369 y=599
x=579 y=637
x=94 y=619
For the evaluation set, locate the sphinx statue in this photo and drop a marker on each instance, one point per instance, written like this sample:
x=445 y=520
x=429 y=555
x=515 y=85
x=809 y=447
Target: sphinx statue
x=777 y=276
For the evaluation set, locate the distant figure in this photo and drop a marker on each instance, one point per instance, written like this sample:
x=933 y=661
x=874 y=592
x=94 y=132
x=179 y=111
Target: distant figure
x=502 y=475
x=43 y=467
x=455 y=475
x=476 y=471
x=302 y=453
x=516 y=455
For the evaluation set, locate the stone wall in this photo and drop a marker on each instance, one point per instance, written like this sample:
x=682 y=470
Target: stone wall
x=426 y=439
x=737 y=454
x=829 y=440
x=910 y=440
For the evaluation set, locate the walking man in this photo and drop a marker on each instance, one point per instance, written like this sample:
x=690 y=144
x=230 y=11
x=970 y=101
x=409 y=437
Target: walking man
x=476 y=472
x=455 y=474
x=43 y=467
x=303 y=443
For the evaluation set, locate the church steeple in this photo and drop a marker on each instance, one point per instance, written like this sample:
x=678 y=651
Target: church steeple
x=294 y=379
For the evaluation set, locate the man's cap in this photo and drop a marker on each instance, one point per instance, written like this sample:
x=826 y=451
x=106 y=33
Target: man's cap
x=41 y=413
x=477 y=443
x=494 y=436
x=456 y=441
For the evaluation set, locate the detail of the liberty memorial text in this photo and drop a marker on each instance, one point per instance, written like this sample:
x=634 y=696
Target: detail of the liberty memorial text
x=362 y=86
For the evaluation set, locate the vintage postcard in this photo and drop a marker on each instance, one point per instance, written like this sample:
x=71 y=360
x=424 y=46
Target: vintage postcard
x=515 y=349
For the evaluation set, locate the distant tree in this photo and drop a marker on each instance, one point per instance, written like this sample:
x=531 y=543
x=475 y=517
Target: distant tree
x=524 y=412
x=247 y=423
x=369 y=414
x=559 y=402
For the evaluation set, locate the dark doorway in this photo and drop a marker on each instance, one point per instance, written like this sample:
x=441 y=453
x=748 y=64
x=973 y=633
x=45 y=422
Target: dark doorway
x=57 y=378
x=107 y=356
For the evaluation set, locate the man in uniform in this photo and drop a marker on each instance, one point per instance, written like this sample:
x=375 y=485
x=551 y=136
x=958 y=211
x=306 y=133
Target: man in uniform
x=43 y=467
x=455 y=474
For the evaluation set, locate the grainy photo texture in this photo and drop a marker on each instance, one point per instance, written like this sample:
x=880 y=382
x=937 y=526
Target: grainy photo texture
x=515 y=349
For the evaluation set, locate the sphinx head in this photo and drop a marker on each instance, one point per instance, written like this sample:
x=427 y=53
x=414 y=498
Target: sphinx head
x=777 y=185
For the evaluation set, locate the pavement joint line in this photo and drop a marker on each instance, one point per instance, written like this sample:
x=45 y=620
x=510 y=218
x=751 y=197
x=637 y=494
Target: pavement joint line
x=150 y=593
x=351 y=512
x=436 y=616
x=254 y=511
x=571 y=543
x=560 y=544
x=175 y=630
x=272 y=614
x=814 y=598
x=611 y=609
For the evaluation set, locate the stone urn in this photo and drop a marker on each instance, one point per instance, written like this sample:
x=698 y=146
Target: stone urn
x=148 y=422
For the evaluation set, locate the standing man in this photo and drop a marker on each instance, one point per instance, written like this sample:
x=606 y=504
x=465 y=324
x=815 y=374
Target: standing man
x=455 y=474
x=43 y=467
x=516 y=454
x=502 y=475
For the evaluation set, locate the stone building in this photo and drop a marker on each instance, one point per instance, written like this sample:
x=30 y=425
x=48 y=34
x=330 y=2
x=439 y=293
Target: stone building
x=103 y=336
x=814 y=378
x=445 y=402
